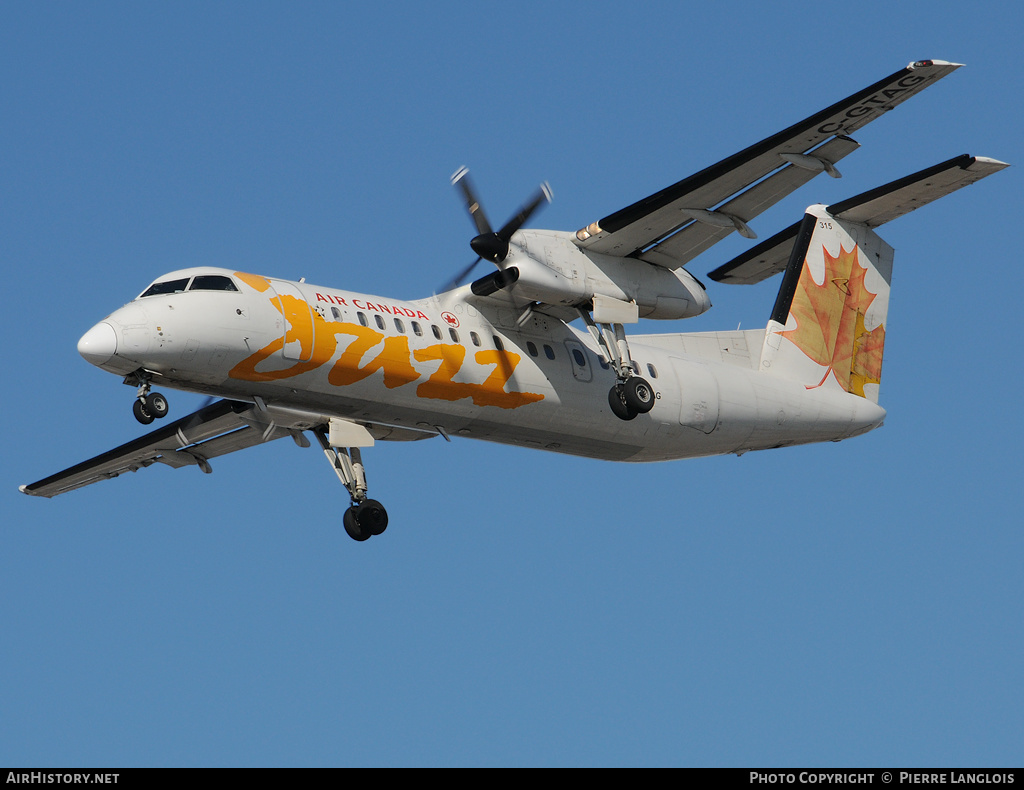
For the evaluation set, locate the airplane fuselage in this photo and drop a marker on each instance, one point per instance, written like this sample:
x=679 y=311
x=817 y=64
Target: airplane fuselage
x=446 y=365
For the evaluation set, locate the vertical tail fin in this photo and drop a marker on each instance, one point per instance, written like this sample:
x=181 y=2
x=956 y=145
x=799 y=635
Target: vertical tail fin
x=828 y=325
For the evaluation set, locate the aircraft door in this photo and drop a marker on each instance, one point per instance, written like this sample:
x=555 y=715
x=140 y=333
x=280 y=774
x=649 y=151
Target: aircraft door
x=581 y=364
x=698 y=392
x=298 y=321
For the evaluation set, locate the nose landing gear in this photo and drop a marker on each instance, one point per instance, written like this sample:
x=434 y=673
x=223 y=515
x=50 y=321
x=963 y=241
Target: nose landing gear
x=148 y=406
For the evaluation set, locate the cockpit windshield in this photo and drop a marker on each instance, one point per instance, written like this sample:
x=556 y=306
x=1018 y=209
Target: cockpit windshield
x=212 y=282
x=201 y=282
x=166 y=287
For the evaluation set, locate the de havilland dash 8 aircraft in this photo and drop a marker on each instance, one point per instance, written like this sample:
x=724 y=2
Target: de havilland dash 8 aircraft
x=501 y=359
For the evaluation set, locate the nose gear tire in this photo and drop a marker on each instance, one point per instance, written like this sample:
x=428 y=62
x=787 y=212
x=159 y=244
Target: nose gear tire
x=156 y=404
x=141 y=413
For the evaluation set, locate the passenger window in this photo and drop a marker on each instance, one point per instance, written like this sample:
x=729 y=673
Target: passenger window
x=362 y=319
x=498 y=344
x=549 y=352
x=336 y=313
x=475 y=338
x=436 y=331
x=636 y=367
x=212 y=282
x=379 y=321
x=399 y=325
x=603 y=363
x=580 y=359
x=652 y=370
x=454 y=335
x=531 y=348
x=417 y=329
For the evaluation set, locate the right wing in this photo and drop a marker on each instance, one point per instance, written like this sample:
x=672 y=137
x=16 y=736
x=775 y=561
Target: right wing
x=220 y=428
x=673 y=226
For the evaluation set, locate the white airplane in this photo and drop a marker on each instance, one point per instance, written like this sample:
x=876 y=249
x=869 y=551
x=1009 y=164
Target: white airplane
x=501 y=360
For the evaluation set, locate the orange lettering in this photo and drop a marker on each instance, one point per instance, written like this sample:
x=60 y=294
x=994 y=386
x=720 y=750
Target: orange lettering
x=296 y=314
x=492 y=391
x=393 y=360
x=440 y=385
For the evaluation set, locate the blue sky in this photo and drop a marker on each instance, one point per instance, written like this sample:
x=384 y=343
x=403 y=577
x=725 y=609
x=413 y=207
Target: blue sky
x=848 y=604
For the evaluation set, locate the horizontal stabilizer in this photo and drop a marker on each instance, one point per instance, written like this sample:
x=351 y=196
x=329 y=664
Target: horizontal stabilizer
x=760 y=262
x=887 y=203
x=872 y=208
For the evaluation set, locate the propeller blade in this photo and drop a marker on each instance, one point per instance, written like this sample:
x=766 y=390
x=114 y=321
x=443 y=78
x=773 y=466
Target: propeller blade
x=494 y=246
x=460 y=179
x=520 y=219
x=459 y=278
x=487 y=244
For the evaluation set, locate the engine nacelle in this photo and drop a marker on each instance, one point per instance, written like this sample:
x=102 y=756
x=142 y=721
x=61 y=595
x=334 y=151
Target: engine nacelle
x=546 y=266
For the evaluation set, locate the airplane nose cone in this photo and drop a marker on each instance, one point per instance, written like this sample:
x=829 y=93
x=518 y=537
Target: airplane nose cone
x=99 y=344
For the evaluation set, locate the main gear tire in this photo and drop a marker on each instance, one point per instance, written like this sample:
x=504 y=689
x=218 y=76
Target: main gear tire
x=619 y=406
x=372 y=516
x=354 y=529
x=638 y=394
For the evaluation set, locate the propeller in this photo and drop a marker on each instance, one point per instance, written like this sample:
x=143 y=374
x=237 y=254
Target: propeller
x=489 y=244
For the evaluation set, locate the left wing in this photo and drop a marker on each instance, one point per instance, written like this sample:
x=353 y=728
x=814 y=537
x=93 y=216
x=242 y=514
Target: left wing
x=220 y=428
x=673 y=226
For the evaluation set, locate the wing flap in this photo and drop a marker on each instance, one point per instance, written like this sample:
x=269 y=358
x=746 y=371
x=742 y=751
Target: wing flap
x=632 y=229
x=682 y=247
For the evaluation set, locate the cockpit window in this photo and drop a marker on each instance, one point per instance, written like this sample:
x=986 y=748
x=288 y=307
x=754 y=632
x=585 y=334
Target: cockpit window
x=166 y=287
x=212 y=282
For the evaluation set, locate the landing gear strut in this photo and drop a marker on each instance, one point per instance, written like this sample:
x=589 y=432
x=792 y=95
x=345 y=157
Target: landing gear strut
x=631 y=394
x=148 y=406
x=366 y=517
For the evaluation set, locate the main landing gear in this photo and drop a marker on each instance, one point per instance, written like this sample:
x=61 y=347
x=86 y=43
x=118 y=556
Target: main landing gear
x=366 y=517
x=631 y=397
x=148 y=406
x=631 y=394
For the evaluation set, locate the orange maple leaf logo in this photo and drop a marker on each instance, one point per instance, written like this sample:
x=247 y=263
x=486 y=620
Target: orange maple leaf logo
x=830 y=323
